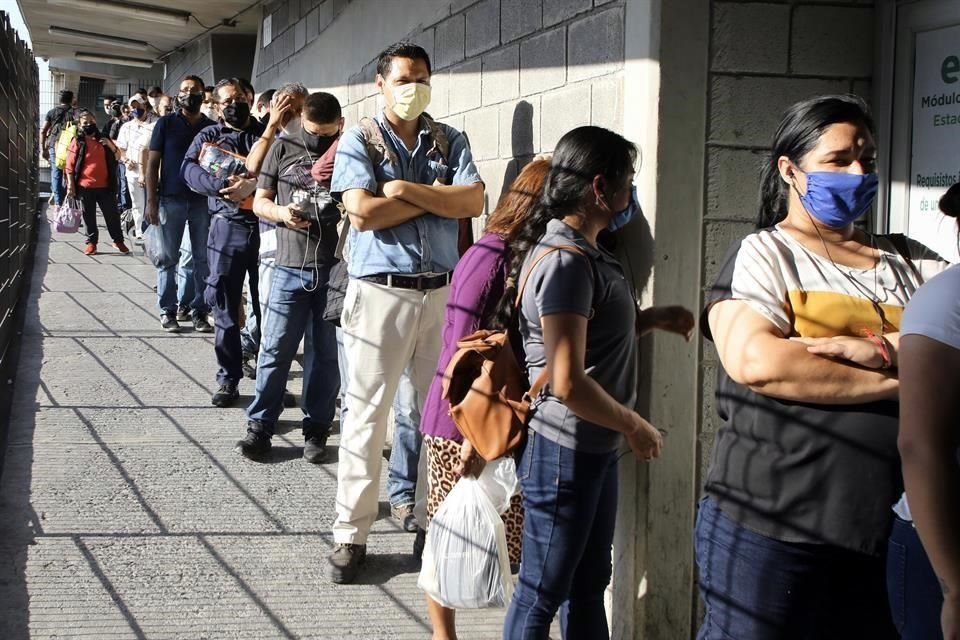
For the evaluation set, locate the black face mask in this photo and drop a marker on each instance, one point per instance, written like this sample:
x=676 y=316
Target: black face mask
x=236 y=115
x=90 y=129
x=191 y=102
x=317 y=144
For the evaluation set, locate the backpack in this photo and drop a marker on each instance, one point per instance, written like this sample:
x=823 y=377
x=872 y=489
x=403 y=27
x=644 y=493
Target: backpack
x=487 y=388
x=377 y=150
x=67 y=135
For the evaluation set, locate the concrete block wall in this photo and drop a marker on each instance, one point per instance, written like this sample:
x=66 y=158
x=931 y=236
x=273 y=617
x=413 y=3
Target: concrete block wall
x=763 y=57
x=515 y=75
x=195 y=59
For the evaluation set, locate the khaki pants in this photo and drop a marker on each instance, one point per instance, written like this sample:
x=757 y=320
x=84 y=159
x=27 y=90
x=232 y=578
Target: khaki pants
x=385 y=331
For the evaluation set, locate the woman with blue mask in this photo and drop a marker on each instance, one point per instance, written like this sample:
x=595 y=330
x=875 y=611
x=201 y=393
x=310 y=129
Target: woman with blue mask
x=791 y=535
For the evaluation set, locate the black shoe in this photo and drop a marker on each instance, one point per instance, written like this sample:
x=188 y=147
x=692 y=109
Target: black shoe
x=315 y=448
x=419 y=543
x=169 y=323
x=403 y=514
x=225 y=395
x=200 y=325
x=256 y=444
x=183 y=313
x=249 y=365
x=345 y=562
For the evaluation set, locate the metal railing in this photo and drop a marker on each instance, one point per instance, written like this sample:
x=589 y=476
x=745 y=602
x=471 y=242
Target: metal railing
x=19 y=113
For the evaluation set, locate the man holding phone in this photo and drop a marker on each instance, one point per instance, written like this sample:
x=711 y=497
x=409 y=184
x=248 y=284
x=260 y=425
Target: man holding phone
x=305 y=252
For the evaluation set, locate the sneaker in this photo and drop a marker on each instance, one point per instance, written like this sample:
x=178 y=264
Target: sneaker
x=183 y=313
x=200 y=325
x=138 y=241
x=225 y=395
x=90 y=249
x=315 y=448
x=345 y=562
x=403 y=514
x=419 y=543
x=256 y=444
x=121 y=247
x=169 y=323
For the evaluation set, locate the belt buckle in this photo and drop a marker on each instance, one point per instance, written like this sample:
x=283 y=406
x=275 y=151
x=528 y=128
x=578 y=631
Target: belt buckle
x=389 y=279
x=420 y=283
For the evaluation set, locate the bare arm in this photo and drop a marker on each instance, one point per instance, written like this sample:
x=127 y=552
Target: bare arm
x=266 y=208
x=44 y=133
x=373 y=213
x=929 y=441
x=259 y=151
x=447 y=201
x=565 y=344
x=755 y=354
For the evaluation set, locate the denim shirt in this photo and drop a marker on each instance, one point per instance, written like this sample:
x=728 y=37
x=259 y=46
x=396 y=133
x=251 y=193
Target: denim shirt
x=427 y=243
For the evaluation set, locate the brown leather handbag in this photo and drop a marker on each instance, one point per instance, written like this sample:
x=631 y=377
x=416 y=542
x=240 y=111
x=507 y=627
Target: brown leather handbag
x=487 y=388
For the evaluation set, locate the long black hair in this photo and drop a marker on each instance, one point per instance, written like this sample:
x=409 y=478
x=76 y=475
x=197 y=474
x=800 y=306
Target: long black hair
x=581 y=154
x=798 y=133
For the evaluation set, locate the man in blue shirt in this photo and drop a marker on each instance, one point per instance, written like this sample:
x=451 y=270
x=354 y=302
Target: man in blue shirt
x=171 y=204
x=234 y=238
x=404 y=206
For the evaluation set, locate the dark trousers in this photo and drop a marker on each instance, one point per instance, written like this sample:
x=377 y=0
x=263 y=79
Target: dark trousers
x=916 y=599
x=123 y=191
x=232 y=252
x=570 y=508
x=759 y=588
x=107 y=199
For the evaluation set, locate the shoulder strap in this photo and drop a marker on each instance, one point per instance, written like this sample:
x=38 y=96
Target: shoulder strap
x=572 y=248
x=377 y=148
x=899 y=242
x=441 y=141
x=541 y=380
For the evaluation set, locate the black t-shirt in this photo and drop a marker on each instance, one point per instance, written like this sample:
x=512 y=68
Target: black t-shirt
x=285 y=170
x=57 y=118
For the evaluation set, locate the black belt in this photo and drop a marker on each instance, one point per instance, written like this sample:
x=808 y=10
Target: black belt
x=417 y=283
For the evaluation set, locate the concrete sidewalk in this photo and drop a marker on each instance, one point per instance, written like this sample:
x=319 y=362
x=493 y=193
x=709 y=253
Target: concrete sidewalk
x=125 y=513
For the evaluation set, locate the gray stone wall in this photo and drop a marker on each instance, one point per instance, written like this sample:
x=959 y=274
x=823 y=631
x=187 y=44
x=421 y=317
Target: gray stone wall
x=515 y=75
x=763 y=58
x=195 y=59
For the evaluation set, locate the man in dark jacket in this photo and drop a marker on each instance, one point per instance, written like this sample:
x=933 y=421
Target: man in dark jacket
x=234 y=241
x=91 y=172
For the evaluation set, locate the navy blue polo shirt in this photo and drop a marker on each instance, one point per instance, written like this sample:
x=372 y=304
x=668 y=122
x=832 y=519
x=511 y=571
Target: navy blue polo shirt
x=172 y=135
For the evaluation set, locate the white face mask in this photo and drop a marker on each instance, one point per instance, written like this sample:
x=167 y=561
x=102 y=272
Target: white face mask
x=410 y=100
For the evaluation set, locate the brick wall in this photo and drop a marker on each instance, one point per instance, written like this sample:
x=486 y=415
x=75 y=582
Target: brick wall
x=763 y=58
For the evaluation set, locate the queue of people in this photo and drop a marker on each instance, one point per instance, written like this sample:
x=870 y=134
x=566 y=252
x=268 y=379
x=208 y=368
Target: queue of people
x=804 y=530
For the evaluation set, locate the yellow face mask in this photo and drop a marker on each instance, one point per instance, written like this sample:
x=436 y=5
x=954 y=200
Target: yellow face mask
x=410 y=100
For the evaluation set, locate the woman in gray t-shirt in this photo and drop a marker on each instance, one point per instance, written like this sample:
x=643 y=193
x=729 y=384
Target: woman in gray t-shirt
x=578 y=319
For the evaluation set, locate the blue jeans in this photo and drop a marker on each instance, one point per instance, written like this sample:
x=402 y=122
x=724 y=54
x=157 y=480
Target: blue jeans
x=760 y=588
x=186 y=289
x=56 y=179
x=570 y=509
x=293 y=313
x=250 y=334
x=915 y=596
x=175 y=213
x=405 y=454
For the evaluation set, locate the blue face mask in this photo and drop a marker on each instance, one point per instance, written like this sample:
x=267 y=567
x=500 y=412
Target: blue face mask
x=838 y=199
x=623 y=218
x=137 y=113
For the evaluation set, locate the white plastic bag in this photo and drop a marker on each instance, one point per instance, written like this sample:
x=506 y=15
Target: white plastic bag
x=153 y=246
x=466 y=564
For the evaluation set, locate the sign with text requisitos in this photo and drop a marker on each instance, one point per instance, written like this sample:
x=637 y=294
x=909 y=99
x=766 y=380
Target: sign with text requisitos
x=935 y=149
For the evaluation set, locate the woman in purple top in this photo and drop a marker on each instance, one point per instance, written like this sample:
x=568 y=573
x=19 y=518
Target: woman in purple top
x=475 y=290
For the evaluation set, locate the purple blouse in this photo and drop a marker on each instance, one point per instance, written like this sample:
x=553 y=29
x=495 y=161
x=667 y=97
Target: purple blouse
x=475 y=289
